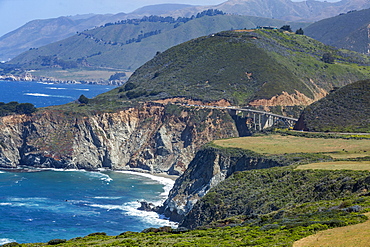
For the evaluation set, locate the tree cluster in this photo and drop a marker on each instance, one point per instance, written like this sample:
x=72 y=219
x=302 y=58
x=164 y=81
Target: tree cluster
x=83 y=99
x=54 y=61
x=16 y=108
x=168 y=19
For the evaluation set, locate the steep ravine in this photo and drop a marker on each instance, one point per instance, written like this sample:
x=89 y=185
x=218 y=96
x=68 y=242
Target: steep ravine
x=153 y=137
x=209 y=167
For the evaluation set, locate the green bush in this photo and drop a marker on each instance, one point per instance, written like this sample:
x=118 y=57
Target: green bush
x=56 y=241
x=15 y=107
x=83 y=99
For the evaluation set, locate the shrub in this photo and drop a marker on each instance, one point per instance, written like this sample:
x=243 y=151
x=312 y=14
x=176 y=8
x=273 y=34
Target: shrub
x=129 y=86
x=83 y=99
x=12 y=244
x=299 y=31
x=97 y=234
x=25 y=108
x=286 y=28
x=56 y=241
x=135 y=94
x=327 y=58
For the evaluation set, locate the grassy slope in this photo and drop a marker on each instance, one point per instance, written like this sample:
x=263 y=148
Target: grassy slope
x=243 y=66
x=354 y=235
x=338 y=165
x=256 y=192
x=278 y=144
x=345 y=110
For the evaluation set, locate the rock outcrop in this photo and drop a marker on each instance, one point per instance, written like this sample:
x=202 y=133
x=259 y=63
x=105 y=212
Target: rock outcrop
x=153 y=137
x=209 y=167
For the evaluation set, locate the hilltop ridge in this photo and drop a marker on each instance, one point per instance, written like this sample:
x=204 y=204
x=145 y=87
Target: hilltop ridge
x=346 y=109
x=128 y=44
x=256 y=67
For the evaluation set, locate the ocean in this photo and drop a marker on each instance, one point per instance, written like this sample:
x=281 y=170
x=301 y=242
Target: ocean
x=41 y=205
x=47 y=94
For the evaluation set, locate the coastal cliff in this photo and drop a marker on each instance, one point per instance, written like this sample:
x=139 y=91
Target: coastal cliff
x=155 y=138
x=210 y=166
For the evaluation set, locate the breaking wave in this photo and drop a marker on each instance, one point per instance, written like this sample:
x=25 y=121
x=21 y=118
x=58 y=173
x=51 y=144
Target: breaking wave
x=47 y=95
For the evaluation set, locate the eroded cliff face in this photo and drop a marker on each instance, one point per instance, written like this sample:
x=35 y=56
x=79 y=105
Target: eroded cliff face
x=209 y=167
x=153 y=137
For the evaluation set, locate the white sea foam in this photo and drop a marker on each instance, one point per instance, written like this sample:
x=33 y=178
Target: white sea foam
x=107 y=197
x=56 y=88
x=38 y=94
x=82 y=89
x=6 y=240
x=47 y=95
x=28 y=199
x=60 y=170
x=131 y=209
x=5 y=204
x=107 y=207
x=101 y=176
x=148 y=217
x=45 y=83
x=167 y=182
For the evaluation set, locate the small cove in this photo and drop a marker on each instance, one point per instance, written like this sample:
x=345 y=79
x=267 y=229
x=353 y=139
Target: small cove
x=40 y=206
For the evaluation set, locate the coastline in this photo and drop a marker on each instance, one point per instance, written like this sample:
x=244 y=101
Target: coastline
x=95 y=203
x=167 y=180
x=58 y=81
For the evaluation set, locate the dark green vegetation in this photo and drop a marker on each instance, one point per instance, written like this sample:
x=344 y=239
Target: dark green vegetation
x=348 y=31
x=256 y=192
x=128 y=44
x=334 y=199
x=15 y=107
x=83 y=99
x=344 y=110
x=242 y=66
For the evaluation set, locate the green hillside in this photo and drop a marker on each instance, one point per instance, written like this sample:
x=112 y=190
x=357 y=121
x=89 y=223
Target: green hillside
x=344 y=110
x=251 y=193
x=348 y=31
x=242 y=66
x=128 y=44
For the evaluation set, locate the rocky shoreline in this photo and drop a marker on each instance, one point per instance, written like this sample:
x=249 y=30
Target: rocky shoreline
x=29 y=77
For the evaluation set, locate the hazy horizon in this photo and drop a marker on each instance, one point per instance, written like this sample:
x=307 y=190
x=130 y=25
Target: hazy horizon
x=16 y=13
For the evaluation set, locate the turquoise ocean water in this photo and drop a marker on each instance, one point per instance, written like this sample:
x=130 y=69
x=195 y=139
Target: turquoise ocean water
x=47 y=94
x=46 y=204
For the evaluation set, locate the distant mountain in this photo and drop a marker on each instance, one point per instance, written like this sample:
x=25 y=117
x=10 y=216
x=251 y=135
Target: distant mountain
x=307 y=11
x=42 y=32
x=160 y=9
x=350 y=31
x=129 y=44
x=38 y=33
x=345 y=110
x=259 y=68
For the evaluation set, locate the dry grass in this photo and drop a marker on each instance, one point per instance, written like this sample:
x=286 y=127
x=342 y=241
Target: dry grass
x=338 y=165
x=277 y=144
x=348 y=155
x=354 y=235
